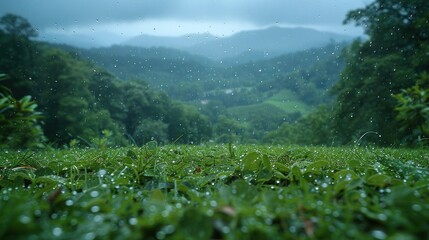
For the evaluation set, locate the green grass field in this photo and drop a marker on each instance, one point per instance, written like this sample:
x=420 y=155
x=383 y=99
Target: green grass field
x=287 y=101
x=276 y=107
x=215 y=192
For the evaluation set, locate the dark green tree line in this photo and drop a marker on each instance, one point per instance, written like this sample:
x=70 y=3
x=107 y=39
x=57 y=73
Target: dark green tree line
x=392 y=59
x=79 y=100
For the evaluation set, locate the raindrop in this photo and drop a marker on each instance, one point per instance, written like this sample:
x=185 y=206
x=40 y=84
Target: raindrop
x=417 y=207
x=57 y=231
x=132 y=221
x=378 y=234
x=24 y=219
x=95 y=209
x=102 y=172
x=94 y=194
x=69 y=203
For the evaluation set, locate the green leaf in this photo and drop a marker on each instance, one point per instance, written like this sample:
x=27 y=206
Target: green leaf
x=345 y=175
x=251 y=162
x=266 y=163
x=281 y=167
x=296 y=173
x=379 y=180
x=317 y=166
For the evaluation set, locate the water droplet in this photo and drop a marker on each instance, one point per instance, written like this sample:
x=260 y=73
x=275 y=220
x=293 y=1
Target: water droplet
x=69 y=203
x=57 y=231
x=378 y=234
x=417 y=207
x=102 y=172
x=24 y=219
x=95 y=209
x=94 y=194
x=132 y=221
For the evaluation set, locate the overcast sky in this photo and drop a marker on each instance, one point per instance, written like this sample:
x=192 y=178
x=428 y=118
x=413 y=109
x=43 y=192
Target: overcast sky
x=126 y=18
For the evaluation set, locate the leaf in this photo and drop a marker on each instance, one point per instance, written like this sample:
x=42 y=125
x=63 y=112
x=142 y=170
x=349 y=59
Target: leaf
x=347 y=185
x=296 y=173
x=346 y=175
x=317 y=166
x=157 y=196
x=251 y=163
x=354 y=164
x=379 y=180
x=266 y=163
x=50 y=179
x=281 y=167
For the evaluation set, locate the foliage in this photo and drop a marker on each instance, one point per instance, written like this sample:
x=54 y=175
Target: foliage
x=235 y=192
x=315 y=129
x=80 y=100
x=19 y=127
x=390 y=60
x=413 y=110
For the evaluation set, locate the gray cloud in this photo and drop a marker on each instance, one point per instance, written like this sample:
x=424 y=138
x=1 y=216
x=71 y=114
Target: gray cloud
x=63 y=13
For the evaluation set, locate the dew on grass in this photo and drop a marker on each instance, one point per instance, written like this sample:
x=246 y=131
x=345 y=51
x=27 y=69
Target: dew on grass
x=95 y=209
x=57 y=231
x=160 y=235
x=382 y=217
x=416 y=207
x=102 y=173
x=94 y=194
x=378 y=234
x=24 y=219
x=98 y=219
x=132 y=221
x=69 y=203
x=89 y=236
x=37 y=213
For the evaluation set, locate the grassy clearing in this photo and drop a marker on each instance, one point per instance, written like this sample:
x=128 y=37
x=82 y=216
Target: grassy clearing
x=284 y=102
x=215 y=192
x=287 y=101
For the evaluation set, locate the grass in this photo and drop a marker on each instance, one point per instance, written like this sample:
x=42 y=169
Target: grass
x=283 y=103
x=215 y=192
x=287 y=101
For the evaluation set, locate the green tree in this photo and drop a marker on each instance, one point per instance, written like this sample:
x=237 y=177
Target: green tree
x=390 y=60
x=17 y=58
x=19 y=127
x=149 y=130
x=413 y=111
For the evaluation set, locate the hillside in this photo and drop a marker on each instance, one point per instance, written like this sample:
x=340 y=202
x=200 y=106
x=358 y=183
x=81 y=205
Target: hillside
x=243 y=46
x=290 y=85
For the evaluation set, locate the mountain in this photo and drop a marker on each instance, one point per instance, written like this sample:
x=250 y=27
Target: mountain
x=244 y=46
x=187 y=41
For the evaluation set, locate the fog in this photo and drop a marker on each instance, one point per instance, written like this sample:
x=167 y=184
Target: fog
x=106 y=22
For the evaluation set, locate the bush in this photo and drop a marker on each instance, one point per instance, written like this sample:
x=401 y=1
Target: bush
x=18 y=122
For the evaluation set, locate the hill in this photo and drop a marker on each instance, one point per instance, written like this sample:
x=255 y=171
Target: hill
x=244 y=46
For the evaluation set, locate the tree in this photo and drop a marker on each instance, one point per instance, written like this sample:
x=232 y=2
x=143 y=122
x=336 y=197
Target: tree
x=17 y=26
x=413 y=111
x=19 y=127
x=17 y=58
x=390 y=60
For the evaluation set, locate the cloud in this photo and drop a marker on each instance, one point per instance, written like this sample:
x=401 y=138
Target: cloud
x=63 y=13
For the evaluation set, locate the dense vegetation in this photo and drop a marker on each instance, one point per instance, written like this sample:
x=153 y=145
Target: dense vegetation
x=81 y=102
x=215 y=192
x=372 y=91
x=85 y=183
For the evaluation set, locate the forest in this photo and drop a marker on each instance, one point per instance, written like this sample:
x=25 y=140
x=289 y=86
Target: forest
x=125 y=142
x=372 y=91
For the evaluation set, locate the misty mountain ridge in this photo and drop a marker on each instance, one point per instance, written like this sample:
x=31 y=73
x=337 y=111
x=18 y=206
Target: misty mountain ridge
x=243 y=46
